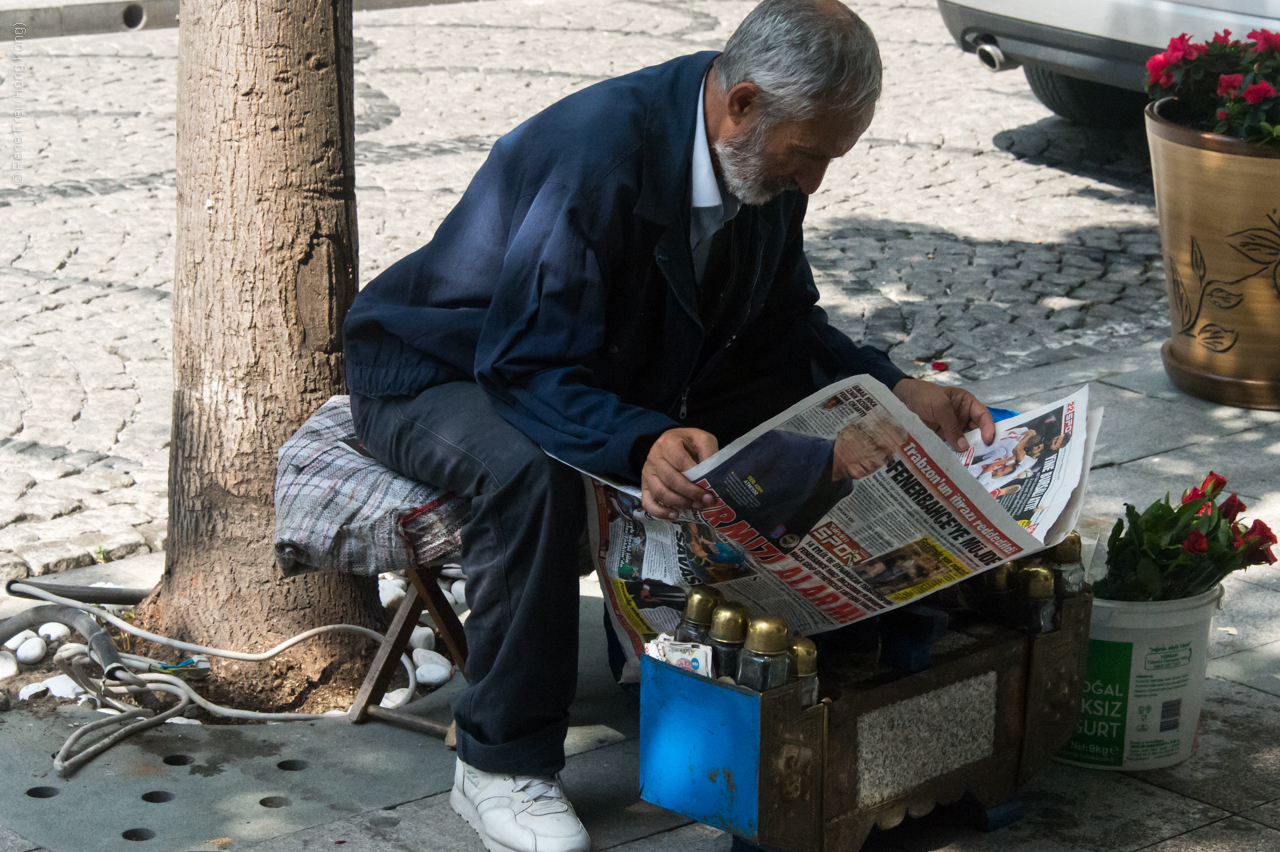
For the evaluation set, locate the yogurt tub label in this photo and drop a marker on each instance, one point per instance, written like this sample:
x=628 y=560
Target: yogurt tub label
x=1104 y=706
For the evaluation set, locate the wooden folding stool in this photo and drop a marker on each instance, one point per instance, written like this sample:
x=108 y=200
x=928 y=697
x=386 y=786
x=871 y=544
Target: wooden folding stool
x=423 y=593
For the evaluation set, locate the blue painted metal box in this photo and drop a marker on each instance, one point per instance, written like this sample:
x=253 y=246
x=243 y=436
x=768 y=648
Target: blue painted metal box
x=745 y=762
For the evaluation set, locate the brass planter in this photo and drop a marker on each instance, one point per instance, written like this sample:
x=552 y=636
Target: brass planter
x=1218 y=199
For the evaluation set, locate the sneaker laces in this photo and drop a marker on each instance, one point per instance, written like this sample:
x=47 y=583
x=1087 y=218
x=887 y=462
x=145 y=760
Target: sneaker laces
x=538 y=789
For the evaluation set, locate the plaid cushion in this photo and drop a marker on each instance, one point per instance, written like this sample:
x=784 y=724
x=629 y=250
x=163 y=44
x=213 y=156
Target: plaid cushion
x=340 y=510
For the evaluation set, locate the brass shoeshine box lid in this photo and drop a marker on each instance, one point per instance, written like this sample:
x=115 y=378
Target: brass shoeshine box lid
x=768 y=635
x=700 y=603
x=729 y=623
x=803 y=656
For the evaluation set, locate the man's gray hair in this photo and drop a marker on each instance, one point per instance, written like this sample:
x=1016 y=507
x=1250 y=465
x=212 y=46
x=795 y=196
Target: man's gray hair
x=805 y=55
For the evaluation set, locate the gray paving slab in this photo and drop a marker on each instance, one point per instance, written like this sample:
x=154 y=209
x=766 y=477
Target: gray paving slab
x=1258 y=668
x=689 y=838
x=601 y=784
x=1233 y=766
x=12 y=842
x=1068 y=809
x=1249 y=618
x=1268 y=814
x=1234 y=834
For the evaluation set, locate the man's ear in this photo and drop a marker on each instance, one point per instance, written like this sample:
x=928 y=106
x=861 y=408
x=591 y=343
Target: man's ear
x=743 y=102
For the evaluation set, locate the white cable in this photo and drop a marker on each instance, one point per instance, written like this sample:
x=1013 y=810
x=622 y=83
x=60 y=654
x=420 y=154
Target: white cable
x=73 y=658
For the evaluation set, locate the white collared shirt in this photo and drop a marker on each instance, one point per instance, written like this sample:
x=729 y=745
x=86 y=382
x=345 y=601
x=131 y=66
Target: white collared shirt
x=712 y=205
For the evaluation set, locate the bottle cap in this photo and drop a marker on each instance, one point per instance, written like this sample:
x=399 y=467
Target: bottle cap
x=700 y=602
x=1068 y=550
x=729 y=623
x=1000 y=578
x=768 y=635
x=1037 y=580
x=802 y=656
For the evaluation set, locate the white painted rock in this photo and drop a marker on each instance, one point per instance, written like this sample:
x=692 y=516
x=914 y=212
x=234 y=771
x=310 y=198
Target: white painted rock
x=426 y=620
x=31 y=651
x=63 y=686
x=334 y=713
x=32 y=690
x=433 y=675
x=422 y=637
x=390 y=594
x=432 y=669
x=452 y=572
x=179 y=720
x=8 y=665
x=54 y=632
x=459 y=590
x=16 y=642
x=449 y=598
x=394 y=697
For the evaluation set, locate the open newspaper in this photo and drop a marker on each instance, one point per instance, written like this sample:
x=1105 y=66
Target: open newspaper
x=842 y=507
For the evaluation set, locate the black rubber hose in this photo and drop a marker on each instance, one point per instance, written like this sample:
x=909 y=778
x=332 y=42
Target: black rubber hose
x=95 y=637
x=84 y=594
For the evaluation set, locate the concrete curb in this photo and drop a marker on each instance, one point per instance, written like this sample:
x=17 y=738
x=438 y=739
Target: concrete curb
x=125 y=16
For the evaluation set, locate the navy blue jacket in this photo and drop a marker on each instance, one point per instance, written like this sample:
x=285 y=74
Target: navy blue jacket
x=563 y=282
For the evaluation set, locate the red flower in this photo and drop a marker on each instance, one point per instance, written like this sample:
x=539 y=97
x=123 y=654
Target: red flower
x=1192 y=494
x=1182 y=48
x=1265 y=40
x=1222 y=115
x=1157 y=69
x=1213 y=483
x=939 y=366
x=1262 y=533
x=1229 y=84
x=1196 y=543
x=1223 y=37
x=1232 y=507
x=1259 y=92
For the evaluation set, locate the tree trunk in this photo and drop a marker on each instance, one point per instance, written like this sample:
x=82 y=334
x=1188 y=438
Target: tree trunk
x=265 y=271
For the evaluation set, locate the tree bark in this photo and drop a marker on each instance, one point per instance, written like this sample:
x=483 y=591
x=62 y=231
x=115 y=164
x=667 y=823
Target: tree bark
x=265 y=271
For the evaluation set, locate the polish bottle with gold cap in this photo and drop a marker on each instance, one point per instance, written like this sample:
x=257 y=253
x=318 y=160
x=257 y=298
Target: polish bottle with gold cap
x=728 y=632
x=1065 y=562
x=1036 y=585
x=762 y=665
x=802 y=666
x=699 y=605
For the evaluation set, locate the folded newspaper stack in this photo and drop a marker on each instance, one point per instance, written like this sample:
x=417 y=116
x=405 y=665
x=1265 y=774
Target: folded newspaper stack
x=842 y=507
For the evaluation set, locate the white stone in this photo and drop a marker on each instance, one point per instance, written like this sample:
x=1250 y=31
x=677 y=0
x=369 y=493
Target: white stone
x=452 y=572
x=31 y=651
x=433 y=675
x=459 y=590
x=423 y=657
x=179 y=720
x=63 y=686
x=334 y=713
x=16 y=642
x=448 y=596
x=8 y=665
x=54 y=632
x=426 y=620
x=390 y=594
x=32 y=690
x=394 y=697
x=422 y=637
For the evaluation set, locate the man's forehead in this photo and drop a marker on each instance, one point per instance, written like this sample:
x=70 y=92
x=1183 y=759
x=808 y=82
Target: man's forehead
x=830 y=133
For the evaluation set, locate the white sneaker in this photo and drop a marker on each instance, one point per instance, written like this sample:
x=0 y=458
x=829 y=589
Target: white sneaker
x=517 y=813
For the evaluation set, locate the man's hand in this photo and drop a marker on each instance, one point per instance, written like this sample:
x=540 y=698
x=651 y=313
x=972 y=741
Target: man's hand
x=948 y=411
x=664 y=488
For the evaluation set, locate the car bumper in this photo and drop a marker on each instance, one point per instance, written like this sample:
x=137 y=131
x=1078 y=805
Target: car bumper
x=1088 y=57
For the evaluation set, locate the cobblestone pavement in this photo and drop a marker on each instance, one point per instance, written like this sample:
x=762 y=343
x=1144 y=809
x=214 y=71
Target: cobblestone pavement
x=970 y=226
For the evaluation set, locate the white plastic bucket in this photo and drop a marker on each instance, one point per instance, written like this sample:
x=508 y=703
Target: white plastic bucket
x=1144 y=683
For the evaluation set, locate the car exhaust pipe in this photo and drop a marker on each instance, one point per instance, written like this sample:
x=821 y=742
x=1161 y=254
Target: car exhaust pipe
x=993 y=58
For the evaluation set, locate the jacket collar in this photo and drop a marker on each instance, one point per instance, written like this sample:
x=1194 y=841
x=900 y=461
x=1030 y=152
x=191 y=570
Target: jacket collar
x=668 y=144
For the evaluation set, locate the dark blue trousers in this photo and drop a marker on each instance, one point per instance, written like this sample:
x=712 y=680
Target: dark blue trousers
x=519 y=552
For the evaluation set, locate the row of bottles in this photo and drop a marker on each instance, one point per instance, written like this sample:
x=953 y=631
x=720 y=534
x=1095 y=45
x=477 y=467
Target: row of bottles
x=759 y=653
x=1025 y=594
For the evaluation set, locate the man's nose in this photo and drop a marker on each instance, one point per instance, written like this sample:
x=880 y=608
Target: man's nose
x=809 y=177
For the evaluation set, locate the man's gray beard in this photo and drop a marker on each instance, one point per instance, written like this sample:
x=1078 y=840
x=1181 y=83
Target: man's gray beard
x=743 y=167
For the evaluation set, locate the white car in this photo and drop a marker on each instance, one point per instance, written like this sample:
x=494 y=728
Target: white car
x=1085 y=59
